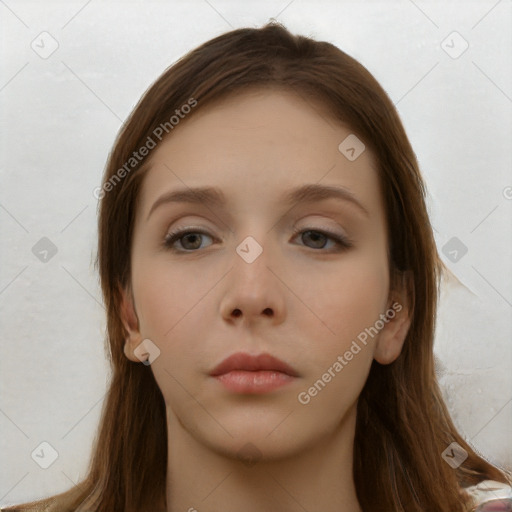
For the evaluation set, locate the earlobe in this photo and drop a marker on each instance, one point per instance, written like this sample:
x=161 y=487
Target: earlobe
x=131 y=324
x=392 y=336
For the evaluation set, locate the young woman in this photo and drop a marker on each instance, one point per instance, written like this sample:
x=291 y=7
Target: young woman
x=270 y=277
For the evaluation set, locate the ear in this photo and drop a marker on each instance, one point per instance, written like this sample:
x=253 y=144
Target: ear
x=131 y=324
x=392 y=336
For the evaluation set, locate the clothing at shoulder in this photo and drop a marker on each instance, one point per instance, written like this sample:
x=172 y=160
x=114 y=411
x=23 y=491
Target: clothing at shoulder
x=491 y=496
x=24 y=509
x=31 y=509
x=36 y=506
x=487 y=496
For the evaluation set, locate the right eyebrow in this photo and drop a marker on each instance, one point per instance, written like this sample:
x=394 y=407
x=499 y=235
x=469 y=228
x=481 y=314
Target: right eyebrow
x=209 y=196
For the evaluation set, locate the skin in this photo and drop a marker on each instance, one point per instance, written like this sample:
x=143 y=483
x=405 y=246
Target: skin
x=299 y=300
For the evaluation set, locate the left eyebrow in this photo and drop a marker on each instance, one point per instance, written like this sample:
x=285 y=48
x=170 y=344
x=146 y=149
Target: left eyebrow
x=214 y=197
x=315 y=192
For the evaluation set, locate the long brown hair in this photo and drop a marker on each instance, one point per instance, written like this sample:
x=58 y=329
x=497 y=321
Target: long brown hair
x=403 y=425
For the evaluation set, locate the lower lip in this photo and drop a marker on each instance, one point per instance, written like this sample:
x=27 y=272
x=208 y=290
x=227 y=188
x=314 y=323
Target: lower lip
x=263 y=381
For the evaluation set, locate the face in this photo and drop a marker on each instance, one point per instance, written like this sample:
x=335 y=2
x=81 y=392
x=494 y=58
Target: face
x=302 y=278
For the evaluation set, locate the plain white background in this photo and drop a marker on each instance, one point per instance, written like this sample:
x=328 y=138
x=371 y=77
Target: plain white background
x=60 y=115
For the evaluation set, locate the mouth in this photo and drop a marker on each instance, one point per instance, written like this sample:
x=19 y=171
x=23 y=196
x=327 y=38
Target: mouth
x=244 y=373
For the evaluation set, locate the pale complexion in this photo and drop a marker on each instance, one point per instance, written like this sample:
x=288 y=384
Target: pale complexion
x=303 y=300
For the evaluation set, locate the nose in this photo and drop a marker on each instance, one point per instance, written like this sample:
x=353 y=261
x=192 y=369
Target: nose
x=252 y=290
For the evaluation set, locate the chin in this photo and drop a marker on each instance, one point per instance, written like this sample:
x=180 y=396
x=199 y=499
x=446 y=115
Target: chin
x=260 y=442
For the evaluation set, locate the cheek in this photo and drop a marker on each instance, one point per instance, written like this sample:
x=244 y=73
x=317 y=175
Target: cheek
x=347 y=299
x=175 y=308
x=349 y=303
x=158 y=298
x=164 y=295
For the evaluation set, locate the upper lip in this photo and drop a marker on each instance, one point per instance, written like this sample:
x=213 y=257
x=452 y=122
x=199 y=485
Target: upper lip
x=247 y=362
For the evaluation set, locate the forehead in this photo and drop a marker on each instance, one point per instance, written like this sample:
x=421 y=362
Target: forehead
x=257 y=144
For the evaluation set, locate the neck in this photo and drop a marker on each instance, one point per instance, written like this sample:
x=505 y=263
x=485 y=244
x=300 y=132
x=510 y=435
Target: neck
x=200 y=479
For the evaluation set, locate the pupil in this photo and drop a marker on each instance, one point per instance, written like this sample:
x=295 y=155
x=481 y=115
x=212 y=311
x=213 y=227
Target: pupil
x=316 y=237
x=192 y=236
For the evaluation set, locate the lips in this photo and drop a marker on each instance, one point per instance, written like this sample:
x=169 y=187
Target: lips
x=246 y=362
x=244 y=374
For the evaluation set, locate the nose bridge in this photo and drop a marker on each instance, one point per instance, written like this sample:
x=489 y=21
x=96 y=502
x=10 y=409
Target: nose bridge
x=250 y=250
x=255 y=232
x=252 y=258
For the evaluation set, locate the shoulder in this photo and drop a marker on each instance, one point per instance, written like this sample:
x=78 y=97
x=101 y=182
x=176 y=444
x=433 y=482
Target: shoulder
x=491 y=496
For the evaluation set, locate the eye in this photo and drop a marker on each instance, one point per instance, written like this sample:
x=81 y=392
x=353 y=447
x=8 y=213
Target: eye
x=191 y=239
x=318 y=239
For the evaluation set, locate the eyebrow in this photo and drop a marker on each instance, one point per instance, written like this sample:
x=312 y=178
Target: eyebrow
x=214 y=197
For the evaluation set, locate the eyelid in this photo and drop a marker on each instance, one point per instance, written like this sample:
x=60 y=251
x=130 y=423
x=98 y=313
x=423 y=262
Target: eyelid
x=186 y=230
x=339 y=238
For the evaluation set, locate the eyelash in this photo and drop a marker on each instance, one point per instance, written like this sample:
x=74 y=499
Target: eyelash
x=342 y=242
